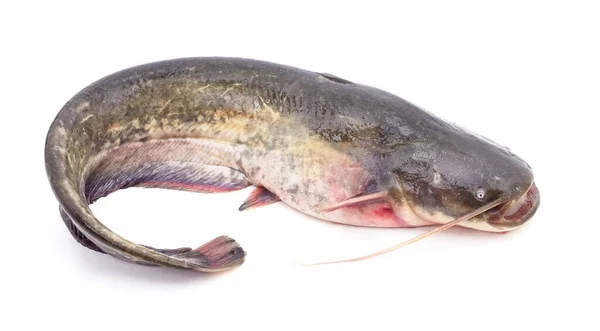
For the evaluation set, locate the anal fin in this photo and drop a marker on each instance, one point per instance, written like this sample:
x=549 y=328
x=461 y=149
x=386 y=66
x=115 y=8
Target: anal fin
x=258 y=198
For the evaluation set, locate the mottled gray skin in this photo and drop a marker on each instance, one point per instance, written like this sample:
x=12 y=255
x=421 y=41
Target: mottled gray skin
x=311 y=139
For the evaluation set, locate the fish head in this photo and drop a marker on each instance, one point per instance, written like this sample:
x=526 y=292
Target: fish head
x=447 y=178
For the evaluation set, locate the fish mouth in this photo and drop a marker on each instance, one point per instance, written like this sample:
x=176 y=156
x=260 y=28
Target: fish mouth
x=516 y=212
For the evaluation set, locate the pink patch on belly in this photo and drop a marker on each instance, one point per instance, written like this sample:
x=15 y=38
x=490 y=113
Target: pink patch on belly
x=383 y=212
x=379 y=214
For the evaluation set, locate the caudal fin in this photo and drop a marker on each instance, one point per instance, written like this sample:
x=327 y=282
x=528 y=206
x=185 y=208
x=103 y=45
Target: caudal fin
x=221 y=253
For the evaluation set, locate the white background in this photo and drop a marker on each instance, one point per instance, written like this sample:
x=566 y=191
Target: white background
x=525 y=74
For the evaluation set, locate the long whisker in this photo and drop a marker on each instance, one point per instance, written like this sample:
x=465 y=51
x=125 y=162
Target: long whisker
x=467 y=216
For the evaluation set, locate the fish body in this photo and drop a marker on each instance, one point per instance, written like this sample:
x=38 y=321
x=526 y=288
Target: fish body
x=330 y=148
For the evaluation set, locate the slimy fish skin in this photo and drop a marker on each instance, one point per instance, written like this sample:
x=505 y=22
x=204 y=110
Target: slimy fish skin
x=327 y=147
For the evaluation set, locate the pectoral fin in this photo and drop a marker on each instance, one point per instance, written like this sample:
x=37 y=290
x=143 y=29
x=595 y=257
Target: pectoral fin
x=258 y=198
x=357 y=200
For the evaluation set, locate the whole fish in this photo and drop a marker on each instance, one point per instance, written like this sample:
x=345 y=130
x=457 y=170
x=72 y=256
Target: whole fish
x=328 y=147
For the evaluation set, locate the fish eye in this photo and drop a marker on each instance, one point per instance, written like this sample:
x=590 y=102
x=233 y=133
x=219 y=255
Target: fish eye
x=480 y=194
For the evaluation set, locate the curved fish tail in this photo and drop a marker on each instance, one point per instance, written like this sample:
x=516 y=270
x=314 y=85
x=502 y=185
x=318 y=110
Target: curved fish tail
x=69 y=183
x=219 y=254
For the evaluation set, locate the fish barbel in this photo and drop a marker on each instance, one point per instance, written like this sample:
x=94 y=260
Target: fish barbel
x=330 y=148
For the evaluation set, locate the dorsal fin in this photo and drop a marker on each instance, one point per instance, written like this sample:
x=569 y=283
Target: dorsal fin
x=334 y=78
